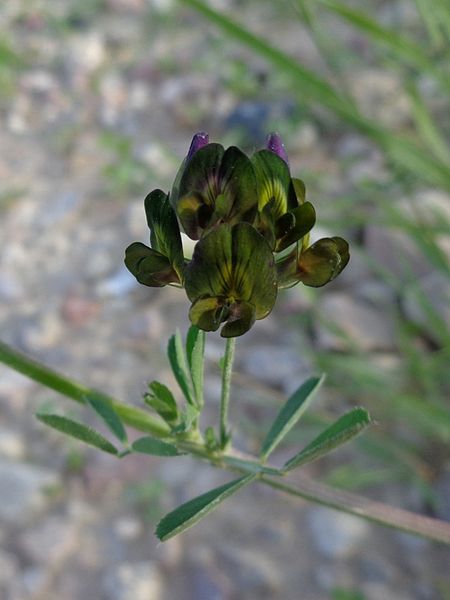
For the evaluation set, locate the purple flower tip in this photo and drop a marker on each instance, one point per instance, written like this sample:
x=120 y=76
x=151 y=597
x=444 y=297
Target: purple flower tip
x=275 y=144
x=198 y=141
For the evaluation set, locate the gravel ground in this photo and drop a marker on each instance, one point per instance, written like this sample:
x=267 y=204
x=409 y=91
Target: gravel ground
x=99 y=109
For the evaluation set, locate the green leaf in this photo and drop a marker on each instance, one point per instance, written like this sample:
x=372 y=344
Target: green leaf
x=78 y=431
x=164 y=231
x=155 y=447
x=344 y=429
x=289 y=415
x=178 y=363
x=161 y=399
x=195 y=350
x=192 y=511
x=109 y=416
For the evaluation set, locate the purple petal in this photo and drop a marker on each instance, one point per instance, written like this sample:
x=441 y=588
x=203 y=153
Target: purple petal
x=275 y=144
x=198 y=141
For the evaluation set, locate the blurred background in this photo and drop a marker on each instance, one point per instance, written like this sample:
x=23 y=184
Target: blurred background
x=99 y=100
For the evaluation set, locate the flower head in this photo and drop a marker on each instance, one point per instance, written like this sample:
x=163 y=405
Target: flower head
x=244 y=213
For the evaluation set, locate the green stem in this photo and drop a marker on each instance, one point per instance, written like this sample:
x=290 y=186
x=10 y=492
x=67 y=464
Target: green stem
x=353 y=504
x=226 y=384
x=74 y=390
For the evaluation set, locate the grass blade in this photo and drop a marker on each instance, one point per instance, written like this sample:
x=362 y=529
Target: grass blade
x=341 y=431
x=313 y=89
x=78 y=431
x=191 y=512
x=289 y=415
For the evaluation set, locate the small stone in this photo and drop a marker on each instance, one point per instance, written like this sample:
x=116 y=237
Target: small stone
x=251 y=571
x=336 y=535
x=11 y=444
x=134 y=581
x=128 y=528
x=50 y=541
x=24 y=489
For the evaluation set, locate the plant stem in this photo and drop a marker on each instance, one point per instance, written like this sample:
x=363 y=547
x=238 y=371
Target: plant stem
x=226 y=384
x=60 y=383
x=378 y=512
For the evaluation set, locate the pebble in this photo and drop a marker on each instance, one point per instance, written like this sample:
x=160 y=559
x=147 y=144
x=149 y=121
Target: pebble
x=11 y=444
x=428 y=293
x=24 y=488
x=250 y=570
x=134 y=581
x=336 y=535
x=51 y=541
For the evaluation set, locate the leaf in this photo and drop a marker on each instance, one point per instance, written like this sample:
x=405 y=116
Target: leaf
x=195 y=350
x=192 y=511
x=161 y=399
x=290 y=413
x=109 y=416
x=79 y=431
x=341 y=431
x=155 y=447
x=177 y=359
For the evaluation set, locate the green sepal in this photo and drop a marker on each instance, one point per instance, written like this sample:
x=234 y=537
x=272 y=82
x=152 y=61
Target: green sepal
x=323 y=261
x=165 y=235
x=149 y=266
x=273 y=181
x=161 y=399
x=191 y=512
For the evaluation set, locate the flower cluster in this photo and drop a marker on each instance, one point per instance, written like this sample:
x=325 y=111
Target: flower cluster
x=252 y=224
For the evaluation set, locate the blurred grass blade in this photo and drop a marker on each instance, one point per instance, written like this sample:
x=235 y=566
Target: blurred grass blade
x=312 y=88
x=400 y=46
x=426 y=127
x=341 y=431
x=155 y=447
x=289 y=415
x=79 y=431
x=109 y=416
x=195 y=350
x=177 y=359
x=432 y=18
x=191 y=512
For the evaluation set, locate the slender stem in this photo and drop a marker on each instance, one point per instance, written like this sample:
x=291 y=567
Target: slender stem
x=74 y=390
x=378 y=512
x=226 y=384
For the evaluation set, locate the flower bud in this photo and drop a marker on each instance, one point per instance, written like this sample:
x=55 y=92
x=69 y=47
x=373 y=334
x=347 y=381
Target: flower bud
x=275 y=144
x=198 y=141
